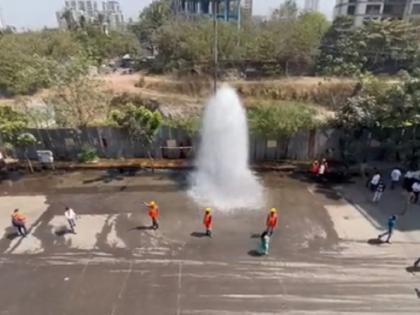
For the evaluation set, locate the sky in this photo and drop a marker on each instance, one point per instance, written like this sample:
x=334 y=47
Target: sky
x=36 y=14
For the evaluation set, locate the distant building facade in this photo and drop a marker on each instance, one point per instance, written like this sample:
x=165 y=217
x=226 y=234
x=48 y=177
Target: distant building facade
x=363 y=10
x=109 y=14
x=248 y=8
x=2 y=23
x=228 y=10
x=311 y=5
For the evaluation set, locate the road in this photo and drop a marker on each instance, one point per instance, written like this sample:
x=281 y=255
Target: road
x=320 y=261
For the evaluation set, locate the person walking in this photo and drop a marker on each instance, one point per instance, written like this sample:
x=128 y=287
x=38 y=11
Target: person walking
x=154 y=214
x=395 y=177
x=374 y=181
x=323 y=168
x=264 y=246
x=19 y=222
x=315 y=168
x=272 y=221
x=208 y=221
x=380 y=188
x=392 y=221
x=408 y=181
x=415 y=191
x=71 y=218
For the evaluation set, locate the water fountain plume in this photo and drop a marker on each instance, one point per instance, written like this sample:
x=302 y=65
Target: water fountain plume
x=223 y=178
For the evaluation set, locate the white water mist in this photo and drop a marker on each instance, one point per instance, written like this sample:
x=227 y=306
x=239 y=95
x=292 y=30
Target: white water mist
x=223 y=179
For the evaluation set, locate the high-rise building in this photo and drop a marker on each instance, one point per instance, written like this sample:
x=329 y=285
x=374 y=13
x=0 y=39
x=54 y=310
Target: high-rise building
x=113 y=14
x=110 y=14
x=228 y=10
x=363 y=10
x=2 y=24
x=248 y=8
x=311 y=5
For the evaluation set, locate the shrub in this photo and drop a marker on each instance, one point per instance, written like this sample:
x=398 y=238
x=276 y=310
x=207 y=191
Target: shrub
x=281 y=120
x=88 y=154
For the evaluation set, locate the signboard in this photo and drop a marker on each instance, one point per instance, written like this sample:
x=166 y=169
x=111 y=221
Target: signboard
x=271 y=144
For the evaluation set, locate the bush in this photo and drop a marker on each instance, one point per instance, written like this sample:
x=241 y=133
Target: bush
x=281 y=120
x=88 y=154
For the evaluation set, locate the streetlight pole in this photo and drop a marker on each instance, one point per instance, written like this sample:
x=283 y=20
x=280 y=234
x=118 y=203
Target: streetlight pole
x=215 y=46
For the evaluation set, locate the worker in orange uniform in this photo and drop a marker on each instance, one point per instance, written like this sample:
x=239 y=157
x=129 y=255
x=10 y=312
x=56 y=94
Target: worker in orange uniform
x=154 y=214
x=208 y=221
x=19 y=222
x=272 y=220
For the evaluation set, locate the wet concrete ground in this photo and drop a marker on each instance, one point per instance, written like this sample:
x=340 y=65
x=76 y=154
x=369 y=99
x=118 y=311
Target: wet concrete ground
x=320 y=261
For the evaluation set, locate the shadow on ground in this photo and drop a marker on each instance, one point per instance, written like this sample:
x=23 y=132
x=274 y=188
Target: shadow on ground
x=375 y=241
x=323 y=187
x=412 y=269
x=255 y=253
x=111 y=175
x=11 y=233
x=63 y=230
x=142 y=228
x=199 y=234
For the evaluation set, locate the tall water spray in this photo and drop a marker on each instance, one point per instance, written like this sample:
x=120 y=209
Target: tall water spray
x=223 y=179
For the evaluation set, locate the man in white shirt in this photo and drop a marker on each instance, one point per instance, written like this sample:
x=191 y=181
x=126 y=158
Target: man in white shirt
x=395 y=177
x=416 y=191
x=375 y=181
x=71 y=218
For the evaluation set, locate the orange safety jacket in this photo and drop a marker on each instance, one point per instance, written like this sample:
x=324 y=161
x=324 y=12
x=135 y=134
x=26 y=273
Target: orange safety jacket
x=154 y=212
x=208 y=220
x=272 y=220
x=18 y=218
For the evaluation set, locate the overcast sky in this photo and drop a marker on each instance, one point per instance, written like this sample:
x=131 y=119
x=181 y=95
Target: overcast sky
x=39 y=13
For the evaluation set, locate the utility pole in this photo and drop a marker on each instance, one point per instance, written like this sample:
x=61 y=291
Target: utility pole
x=215 y=46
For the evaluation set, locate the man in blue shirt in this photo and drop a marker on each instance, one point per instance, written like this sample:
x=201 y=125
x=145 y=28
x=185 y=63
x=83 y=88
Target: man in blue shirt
x=392 y=221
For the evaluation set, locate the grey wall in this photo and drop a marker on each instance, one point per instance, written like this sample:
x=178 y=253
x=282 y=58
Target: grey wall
x=114 y=143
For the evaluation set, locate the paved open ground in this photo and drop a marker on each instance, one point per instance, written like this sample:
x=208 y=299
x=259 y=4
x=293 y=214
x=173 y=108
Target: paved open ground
x=320 y=261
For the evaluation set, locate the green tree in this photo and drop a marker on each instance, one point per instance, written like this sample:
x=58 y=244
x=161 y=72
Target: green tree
x=24 y=141
x=79 y=102
x=190 y=125
x=12 y=126
x=12 y=123
x=154 y=16
x=390 y=45
x=281 y=120
x=341 y=50
x=140 y=123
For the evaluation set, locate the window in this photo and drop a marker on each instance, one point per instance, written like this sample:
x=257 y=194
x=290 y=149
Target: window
x=394 y=9
x=416 y=9
x=373 y=9
x=351 y=9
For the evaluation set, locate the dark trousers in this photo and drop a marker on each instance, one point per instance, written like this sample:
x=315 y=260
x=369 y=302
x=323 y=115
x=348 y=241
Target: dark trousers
x=21 y=229
x=270 y=230
x=72 y=224
x=208 y=231
x=155 y=224
x=394 y=184
x=414 y=197
x=389 y=233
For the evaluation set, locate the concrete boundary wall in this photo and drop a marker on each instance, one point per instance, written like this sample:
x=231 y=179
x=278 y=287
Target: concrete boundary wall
x=114 y=143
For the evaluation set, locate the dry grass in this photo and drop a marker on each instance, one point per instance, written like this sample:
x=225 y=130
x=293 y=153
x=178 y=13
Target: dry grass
x=329 y=93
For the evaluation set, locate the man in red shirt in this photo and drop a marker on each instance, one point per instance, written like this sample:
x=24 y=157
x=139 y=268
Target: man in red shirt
x=208 y=221
x=154 y=214
x=272 y=220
